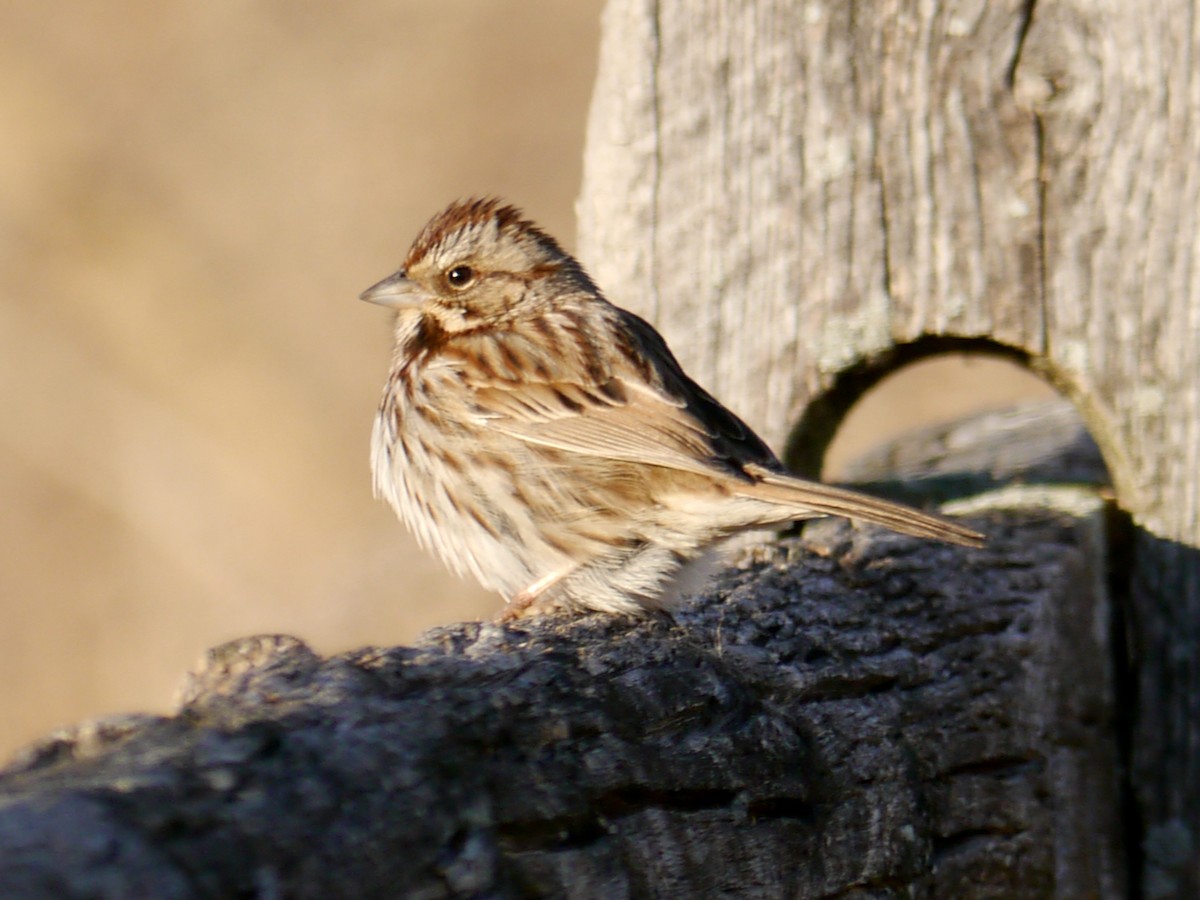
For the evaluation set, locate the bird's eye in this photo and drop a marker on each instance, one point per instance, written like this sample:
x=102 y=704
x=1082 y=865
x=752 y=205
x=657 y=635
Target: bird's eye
x=460 y=276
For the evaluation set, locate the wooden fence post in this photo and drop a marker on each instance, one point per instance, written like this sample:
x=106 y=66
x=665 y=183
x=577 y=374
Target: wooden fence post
x=804 y=194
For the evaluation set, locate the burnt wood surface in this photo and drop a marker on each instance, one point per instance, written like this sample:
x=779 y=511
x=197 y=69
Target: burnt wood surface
x=850 y=712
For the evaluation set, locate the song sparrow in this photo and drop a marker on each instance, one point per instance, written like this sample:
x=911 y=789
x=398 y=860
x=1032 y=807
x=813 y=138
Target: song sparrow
x=548 y=442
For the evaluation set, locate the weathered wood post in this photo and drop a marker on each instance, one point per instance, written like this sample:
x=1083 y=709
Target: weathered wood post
x=802 y=195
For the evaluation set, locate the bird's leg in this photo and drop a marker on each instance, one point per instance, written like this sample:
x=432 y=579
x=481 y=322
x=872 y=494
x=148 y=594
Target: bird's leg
x=527 y=601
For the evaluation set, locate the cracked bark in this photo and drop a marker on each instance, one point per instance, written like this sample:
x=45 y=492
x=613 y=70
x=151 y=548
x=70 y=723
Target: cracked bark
x=853 y=713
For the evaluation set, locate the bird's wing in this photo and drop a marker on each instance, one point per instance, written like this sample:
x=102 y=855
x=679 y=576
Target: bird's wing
x=639 y=427
x=639 y=406
x=648 y=429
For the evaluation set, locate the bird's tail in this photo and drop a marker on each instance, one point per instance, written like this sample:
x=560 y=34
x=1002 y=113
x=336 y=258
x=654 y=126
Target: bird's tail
x=818 y=499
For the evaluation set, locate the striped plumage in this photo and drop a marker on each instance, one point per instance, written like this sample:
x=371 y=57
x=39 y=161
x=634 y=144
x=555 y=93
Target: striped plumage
x=547 y=442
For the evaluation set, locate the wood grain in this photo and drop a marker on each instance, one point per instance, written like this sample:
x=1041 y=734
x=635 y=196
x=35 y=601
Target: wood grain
x=792 y=188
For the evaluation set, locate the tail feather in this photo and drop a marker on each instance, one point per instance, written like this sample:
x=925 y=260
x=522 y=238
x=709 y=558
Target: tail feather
x=825 y=500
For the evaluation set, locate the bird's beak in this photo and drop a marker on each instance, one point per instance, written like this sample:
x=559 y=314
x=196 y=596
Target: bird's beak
x=395 y=291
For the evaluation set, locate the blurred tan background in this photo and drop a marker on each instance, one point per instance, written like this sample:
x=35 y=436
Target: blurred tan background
x=191 y=197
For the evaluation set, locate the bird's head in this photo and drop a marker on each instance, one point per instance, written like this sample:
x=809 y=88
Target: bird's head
x=478 y=263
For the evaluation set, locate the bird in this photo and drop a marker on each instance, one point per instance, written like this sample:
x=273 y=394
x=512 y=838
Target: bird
x=547 y=441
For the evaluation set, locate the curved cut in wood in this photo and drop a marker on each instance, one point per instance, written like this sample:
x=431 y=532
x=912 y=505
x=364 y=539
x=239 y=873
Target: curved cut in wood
x=810 y=438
